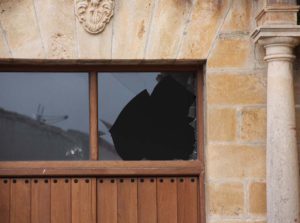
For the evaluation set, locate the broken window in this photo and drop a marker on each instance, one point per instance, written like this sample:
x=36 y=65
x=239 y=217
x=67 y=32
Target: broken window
x=147 y=116
x=142 y=116
x=44 y=116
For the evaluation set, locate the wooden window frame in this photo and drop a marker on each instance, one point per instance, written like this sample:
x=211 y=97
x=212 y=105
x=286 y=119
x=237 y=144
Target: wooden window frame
x=93 y=166
x=98 y=168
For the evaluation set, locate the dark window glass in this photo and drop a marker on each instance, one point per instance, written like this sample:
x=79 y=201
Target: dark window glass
x=147 y=116
x=44 y=116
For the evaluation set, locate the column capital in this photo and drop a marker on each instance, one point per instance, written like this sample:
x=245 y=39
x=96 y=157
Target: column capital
x=279 y=20
x=278 y=41
x=279 y=48
x=267 y=31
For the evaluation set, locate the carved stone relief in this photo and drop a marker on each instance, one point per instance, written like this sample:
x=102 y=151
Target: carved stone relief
x=94 y=14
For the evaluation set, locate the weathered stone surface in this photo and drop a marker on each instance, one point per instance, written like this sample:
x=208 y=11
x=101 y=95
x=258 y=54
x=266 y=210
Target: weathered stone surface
x=258 y=6
x=277 y=15
x=19 y=22
x=4 y=50
x=235 y=161
x=91 y=46
x=230 y=52
x=236 y=89
x=221 y=125
x=131 y=28
x=254 y=125
x=239 y=17
x=57 y=25
x=226 y=199
x=282 y=155
x=167 y=26
x=257 y=201
x=94 y=15
x=207 y=16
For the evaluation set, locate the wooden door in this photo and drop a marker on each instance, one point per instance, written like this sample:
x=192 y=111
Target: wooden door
x=99 y=200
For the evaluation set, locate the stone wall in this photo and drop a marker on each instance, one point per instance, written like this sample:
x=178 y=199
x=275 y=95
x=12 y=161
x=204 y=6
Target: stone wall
x=217 y=31
x=150 y=29
x=236 y=120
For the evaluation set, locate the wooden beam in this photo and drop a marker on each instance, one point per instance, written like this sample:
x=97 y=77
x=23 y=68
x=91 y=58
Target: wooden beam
x=49 y=67
x=103 y=168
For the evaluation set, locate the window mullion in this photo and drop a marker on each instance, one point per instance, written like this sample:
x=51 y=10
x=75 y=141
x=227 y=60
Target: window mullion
x=93 y=92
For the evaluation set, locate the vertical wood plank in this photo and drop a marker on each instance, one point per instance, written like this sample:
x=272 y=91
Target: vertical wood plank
x=201 y=197
x=93 y=86
x=60 y=201
x=40 y=201
x=166 y=200
x=107 y=202
x=82 y=200
x=187 y=190
x=94 y=200
x=127 y=200
x=147 y=200
x=4 y=200
x=20 y=201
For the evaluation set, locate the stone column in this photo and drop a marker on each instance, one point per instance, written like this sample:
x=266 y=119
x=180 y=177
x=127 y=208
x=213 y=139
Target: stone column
x=277 y=30
x=282 y=156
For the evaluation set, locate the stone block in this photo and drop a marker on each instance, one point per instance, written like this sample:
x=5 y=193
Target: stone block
x=257 y=198
x=19 y=22
x=254 y=125
x=277 y=15
x=167 y=27
x=206 y=18
x=236 y=89
x=235 y=161
x=131 y=28
x=221 y=125
x=231 y=53
x=226 y=199
x=239 y=17
x=57 y=25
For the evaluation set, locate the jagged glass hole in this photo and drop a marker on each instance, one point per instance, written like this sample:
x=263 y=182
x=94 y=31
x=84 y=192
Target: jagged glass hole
x=147 y=116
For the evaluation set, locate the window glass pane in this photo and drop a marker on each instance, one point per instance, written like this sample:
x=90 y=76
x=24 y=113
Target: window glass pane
x=147 y=116
x=44 y=116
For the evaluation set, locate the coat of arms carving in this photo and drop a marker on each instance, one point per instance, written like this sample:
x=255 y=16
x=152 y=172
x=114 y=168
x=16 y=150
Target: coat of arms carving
x=94 y=15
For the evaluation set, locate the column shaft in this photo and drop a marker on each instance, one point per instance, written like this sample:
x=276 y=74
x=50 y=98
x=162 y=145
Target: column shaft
x=282 y=155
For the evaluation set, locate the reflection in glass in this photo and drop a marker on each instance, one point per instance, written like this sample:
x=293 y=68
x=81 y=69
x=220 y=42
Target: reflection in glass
x=147 y=116
x=44 y=116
